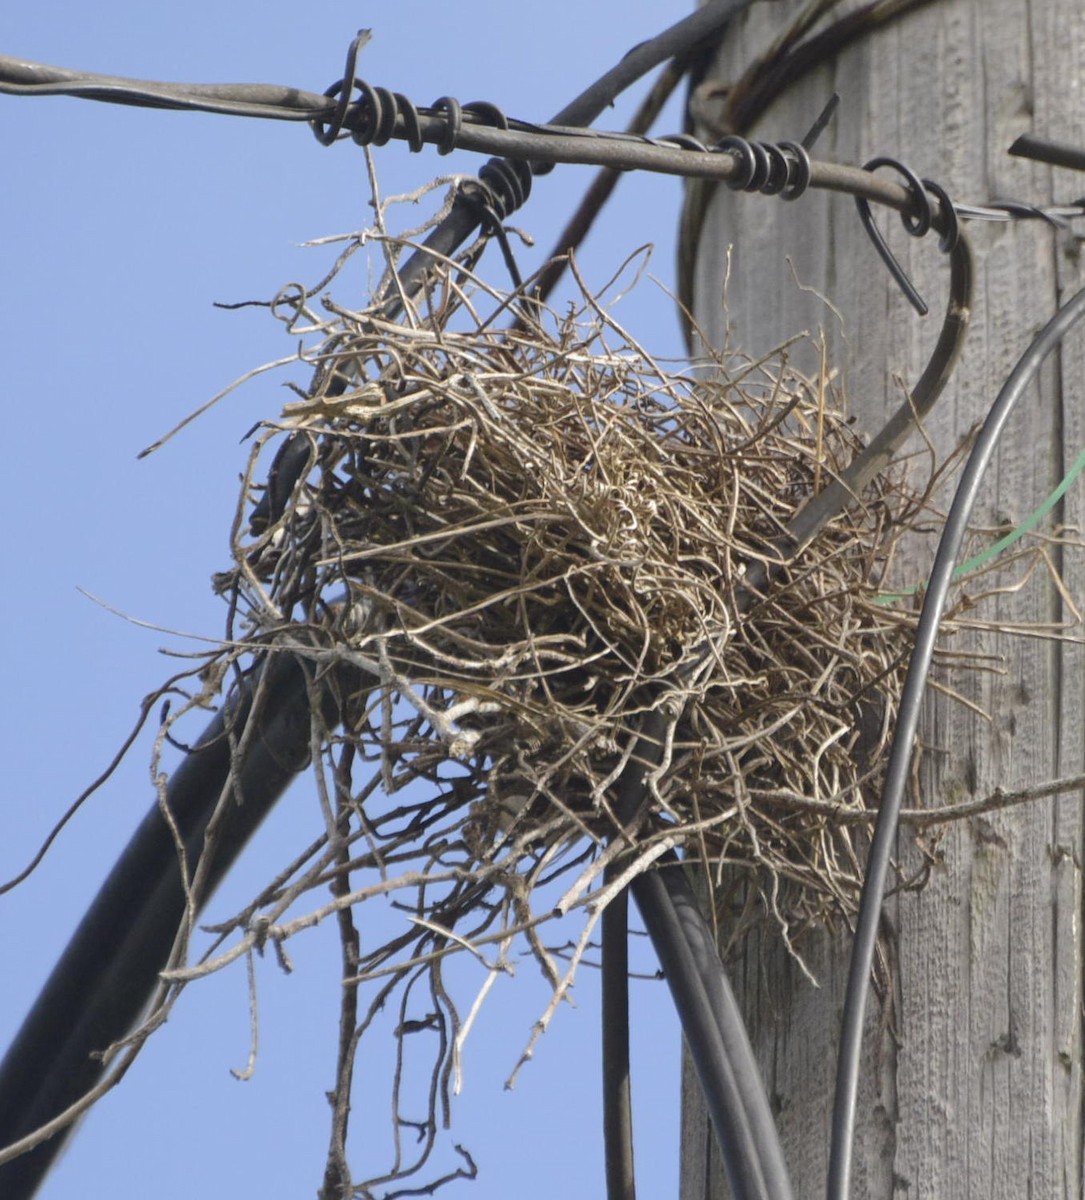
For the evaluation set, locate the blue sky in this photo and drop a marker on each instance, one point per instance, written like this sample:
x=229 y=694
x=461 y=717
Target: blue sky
x=119 y=228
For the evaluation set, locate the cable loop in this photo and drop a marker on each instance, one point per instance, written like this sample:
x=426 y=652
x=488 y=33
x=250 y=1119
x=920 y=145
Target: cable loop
x=489 y=114
x=799 y=170
x=412 y=122
x=947 y=243
x=779 y=170
x=328 y=131
x=745 y=162
x=377 y=112
x=771 y=168
x=760 y=175
x=453 y=111
x=917 y=222
x=509 y=182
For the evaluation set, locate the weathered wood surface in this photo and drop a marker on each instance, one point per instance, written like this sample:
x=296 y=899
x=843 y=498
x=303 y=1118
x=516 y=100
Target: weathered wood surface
x=973 y=1083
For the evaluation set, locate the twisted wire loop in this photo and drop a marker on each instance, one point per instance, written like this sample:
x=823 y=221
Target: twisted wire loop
x=373 y=119
x=771 y=168
x=508 y=184
x=502 y=186
x=918 y=222
x=327 y=131
x=380 y=114
x=454 y=112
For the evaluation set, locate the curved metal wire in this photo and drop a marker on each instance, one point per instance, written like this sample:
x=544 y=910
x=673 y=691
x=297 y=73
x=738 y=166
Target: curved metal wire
x=917 y=222
x=934 y=600
x=834 y=498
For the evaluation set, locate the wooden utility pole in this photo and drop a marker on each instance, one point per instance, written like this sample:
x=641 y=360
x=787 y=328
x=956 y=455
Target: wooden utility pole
x=972 y=1084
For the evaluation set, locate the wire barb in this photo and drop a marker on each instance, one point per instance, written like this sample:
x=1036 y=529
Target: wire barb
x=824 y=117
x=773 y=169
x=917 y=222
x=1054 y=154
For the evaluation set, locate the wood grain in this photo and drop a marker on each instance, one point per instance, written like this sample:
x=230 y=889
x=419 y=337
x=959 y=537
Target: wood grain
x=973 y=1082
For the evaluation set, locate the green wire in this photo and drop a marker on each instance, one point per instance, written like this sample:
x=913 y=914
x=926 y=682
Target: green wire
x=1003 y=543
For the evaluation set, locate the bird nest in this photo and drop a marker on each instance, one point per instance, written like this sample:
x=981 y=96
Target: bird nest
x=545 y=563
x=555 y=628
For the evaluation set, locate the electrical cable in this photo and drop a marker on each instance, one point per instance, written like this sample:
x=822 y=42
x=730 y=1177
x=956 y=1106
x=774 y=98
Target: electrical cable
x=102 y=982
x=614 y=1011
x=712 y=1025
x=726 y=1098
x=667 y=903
x=900 y=757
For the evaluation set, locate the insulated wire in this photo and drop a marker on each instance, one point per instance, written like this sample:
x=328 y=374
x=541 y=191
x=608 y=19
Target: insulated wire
x=897 y=772
x=109 y=969
x=618 y=1156
x=697 y=936
x=727 y=1097
x=712 y=1024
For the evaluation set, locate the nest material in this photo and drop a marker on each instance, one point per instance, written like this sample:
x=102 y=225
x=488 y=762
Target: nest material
x=533 y=539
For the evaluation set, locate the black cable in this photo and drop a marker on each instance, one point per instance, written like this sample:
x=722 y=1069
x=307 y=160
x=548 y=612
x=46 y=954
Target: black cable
x=107 y=973
x=732 y=1027
x=712 y=1024
x=292 y=460
x=900 y=757
x=617 y=1092
x=681 y=911
x=842 y=491
x=726 y=1101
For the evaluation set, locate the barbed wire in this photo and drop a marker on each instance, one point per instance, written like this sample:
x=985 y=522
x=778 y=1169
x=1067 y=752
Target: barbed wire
x=380 y=115
x=524 y=148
